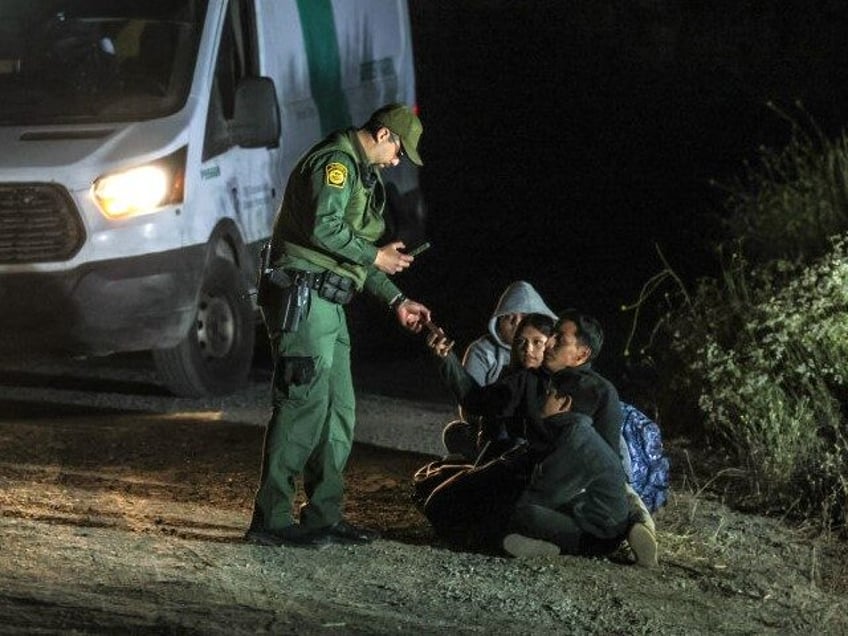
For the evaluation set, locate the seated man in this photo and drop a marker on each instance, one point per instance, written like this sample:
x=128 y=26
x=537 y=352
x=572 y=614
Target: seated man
x=516 y=399
x=516 y=402
x=575 y=502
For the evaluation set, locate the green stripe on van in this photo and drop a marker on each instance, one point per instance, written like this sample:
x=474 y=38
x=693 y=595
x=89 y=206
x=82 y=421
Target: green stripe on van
x=322 y=57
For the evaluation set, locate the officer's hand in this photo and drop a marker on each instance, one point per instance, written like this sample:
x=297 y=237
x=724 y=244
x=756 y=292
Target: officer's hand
x=412 y=315
x=390 y=260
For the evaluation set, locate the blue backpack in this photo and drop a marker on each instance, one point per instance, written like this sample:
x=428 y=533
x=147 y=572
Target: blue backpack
x=649 y=463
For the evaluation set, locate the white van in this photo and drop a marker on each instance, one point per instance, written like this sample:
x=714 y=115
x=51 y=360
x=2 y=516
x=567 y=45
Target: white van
x=144 y=148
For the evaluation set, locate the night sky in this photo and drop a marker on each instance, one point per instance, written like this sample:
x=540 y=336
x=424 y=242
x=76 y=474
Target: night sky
x=563 y=140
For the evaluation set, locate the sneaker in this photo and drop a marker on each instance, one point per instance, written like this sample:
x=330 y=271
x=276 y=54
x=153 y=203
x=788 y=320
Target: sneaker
x=638 y=510
x=344 y=532
x=519 y=545
x=643 y=543
x=293 y=535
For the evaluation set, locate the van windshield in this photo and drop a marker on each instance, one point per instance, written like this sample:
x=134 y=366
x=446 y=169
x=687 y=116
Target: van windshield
x=84 y=61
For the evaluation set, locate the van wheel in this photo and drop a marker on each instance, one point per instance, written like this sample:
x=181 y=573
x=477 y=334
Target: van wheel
x=215 y=356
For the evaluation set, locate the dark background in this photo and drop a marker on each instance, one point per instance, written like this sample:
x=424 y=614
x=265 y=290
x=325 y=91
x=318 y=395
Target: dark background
x=564 y=140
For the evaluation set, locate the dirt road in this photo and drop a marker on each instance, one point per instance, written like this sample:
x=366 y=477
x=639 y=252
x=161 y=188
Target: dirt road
x=119 y=520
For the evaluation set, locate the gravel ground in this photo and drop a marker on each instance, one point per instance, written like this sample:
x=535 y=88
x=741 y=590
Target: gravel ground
x=124 y=510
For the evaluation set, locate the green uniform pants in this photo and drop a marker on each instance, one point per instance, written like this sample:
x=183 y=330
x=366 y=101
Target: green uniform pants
x=311 y=427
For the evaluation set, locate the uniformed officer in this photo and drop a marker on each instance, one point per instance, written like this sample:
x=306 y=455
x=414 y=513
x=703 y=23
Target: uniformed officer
x=322 y=252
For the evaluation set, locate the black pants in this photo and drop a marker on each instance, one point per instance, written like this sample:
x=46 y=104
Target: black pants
x=548 y=510
x=561 y=528
x=473 y=508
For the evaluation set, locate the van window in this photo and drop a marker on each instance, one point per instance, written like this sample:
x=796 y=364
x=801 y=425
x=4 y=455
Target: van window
x=83 y=61
x=237 y=59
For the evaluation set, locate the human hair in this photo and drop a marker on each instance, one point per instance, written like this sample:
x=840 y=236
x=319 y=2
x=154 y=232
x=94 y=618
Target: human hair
x=578 y=385
x=375 y=121
x=589 y=331
x=565 y=382
x=542 y=322
x=372 y=126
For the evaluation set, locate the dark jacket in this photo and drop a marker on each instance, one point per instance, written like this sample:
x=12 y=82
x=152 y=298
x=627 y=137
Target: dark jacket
x=516 y=400
x=582 y=477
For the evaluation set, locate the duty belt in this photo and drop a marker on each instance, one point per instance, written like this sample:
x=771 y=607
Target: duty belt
x=329 y=285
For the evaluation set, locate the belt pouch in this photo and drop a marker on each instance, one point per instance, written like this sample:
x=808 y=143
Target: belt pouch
x=336 y=288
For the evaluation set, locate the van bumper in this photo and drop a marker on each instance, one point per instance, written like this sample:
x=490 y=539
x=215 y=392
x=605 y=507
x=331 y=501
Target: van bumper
x=99 y=308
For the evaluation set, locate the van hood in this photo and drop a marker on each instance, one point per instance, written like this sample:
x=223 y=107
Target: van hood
x=76 y=155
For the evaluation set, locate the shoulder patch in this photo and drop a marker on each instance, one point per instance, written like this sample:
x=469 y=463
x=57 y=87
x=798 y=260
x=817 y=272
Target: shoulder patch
x=335 y=174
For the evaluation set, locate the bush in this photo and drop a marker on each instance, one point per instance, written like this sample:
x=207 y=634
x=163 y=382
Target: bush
x=764 y=352
x=761 y=352
x=793 y=200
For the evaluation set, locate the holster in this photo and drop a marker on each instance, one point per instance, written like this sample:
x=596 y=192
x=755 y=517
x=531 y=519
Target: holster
x=291 y=288
x=292 y=292
x=264 y=285
x=295 y=305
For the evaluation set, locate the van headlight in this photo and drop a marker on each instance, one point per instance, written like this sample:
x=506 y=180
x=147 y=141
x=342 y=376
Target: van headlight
x=142 y=189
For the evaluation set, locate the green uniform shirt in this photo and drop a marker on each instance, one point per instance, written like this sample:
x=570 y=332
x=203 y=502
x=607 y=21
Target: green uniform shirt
x=330 y=219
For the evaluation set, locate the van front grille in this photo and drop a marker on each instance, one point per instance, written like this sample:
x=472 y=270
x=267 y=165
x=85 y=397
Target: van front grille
x=39 y=223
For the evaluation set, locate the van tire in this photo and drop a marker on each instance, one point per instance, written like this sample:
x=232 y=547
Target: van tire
x=215 y=356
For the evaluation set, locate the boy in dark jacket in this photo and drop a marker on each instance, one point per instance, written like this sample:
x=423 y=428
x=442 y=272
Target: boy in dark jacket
x=477 y=497
x=575 y=502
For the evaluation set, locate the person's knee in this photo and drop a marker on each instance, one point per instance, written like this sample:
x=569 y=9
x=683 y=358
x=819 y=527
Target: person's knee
x=460 y=438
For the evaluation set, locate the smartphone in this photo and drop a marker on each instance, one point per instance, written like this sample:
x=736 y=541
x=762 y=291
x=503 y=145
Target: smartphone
x=419 y=249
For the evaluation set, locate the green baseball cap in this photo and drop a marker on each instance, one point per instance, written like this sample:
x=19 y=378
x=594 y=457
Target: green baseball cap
x=405 y=124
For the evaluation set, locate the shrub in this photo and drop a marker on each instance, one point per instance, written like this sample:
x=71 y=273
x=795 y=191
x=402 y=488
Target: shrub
x=792 y=200
x=764 y=352
x=760 y=353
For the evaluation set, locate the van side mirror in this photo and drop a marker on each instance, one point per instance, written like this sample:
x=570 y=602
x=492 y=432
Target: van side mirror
x=256 y=116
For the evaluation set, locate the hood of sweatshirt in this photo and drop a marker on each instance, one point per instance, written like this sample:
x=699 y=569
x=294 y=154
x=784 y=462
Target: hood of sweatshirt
x=520 y=297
